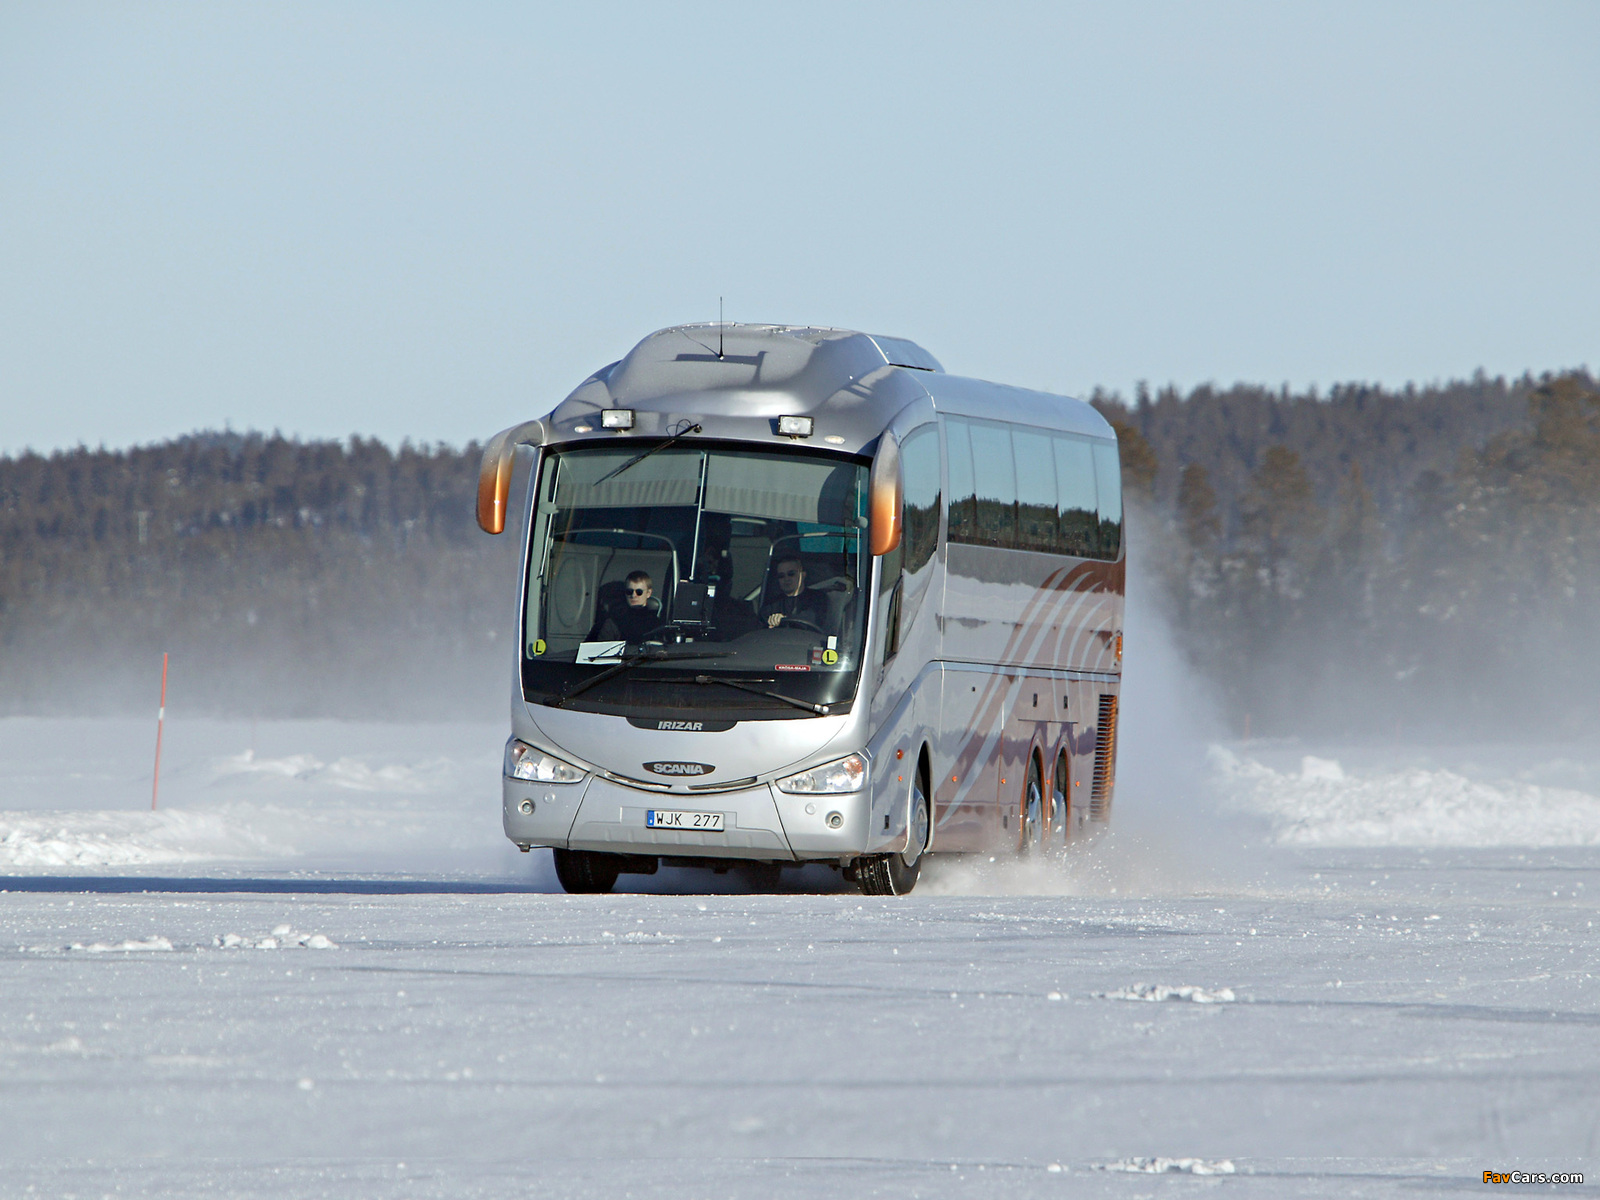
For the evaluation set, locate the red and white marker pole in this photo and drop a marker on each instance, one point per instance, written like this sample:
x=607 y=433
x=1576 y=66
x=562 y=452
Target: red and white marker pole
x=161 y=719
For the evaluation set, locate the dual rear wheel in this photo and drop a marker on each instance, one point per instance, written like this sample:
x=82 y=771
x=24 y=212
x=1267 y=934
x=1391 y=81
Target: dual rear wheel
x=1047 y=818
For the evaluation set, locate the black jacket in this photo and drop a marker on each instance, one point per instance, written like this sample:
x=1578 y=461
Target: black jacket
x=807 y=606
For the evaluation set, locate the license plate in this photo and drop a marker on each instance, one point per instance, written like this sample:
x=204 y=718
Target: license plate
x=694 y=822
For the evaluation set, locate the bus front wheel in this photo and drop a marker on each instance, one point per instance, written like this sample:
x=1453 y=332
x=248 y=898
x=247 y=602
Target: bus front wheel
x=897 y=874
x=583 y=872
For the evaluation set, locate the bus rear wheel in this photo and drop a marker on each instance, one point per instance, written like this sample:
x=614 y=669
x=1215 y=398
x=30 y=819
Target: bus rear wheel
x=1062 y=814
x=583 y=872
x=897 y=874
x=1032 y=831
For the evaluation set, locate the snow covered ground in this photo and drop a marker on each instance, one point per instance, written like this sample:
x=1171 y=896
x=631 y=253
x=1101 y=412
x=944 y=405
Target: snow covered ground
x=318 y=970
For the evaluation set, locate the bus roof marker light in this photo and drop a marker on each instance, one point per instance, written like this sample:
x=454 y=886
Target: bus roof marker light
x=796 y=427
x=616 y=418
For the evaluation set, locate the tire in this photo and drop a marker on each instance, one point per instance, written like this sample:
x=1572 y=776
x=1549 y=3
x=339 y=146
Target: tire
x=1061 y=814
x=897 y=874
x=583 y=872
x=1031 y=831
x=764 y=876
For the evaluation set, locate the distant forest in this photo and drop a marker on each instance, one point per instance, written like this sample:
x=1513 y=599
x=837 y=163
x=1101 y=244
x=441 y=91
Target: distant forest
x=1416 y=563
x=1424 y=562
x=285 y=578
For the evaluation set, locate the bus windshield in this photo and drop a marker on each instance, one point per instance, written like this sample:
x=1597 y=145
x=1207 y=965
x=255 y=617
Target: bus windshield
x=689 y=570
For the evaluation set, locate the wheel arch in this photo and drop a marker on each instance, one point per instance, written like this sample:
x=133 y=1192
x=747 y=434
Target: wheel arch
x=925 y=774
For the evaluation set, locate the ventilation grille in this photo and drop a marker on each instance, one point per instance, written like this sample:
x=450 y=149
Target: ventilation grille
x=1105 y=761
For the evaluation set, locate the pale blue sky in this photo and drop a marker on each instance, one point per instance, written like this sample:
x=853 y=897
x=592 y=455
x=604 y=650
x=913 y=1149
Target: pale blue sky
x=432 y=221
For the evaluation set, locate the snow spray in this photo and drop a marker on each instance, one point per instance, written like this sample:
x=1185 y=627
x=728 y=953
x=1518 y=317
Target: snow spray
x=1170 y=834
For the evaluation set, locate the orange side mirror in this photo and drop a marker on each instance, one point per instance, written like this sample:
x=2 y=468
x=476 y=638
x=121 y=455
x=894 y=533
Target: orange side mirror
x=494 y=473
x=885 y=501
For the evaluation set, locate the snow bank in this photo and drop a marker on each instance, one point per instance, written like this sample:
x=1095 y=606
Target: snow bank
x=121 y=839
x=151 y=943
x=1158 y=992
x=1322 y=805
x=1163 y=1166
x=323 y=795
x=282 y=937
x=350 y=773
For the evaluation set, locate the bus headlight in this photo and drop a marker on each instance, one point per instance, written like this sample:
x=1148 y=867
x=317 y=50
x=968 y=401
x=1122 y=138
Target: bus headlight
x=846 y=775
x=524 y=762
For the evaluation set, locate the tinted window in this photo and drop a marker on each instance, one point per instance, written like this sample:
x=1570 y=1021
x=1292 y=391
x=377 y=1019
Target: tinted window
x=1025 y=488
x=1036 y=490
x=1075 y=497
x=1108 y=475
x=997 y=484
x=963 y=488
x=919 y=461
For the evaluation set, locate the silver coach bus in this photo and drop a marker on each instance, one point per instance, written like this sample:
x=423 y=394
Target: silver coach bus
x=797 y=595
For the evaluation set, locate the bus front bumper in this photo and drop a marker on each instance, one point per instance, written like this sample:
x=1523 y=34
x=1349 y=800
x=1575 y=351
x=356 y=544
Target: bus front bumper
x=758 y=823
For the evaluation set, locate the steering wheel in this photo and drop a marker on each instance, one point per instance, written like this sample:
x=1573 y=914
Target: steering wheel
x=797 y=623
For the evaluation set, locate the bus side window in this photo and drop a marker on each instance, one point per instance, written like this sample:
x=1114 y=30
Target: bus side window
x=963 y=485
x=997 y=484
x=1079 y=532
x=919 y=464
x=1108 y=474
x=919 y=469
x=1036 y=489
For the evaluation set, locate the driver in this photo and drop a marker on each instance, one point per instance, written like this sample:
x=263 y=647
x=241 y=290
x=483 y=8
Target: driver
x=793 y=601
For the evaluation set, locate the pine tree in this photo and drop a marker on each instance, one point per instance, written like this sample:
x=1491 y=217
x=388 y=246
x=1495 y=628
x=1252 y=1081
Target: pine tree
x=1200 y=535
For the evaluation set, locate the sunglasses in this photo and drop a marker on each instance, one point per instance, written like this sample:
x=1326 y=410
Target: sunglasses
x=637 y=591
x=788 y=574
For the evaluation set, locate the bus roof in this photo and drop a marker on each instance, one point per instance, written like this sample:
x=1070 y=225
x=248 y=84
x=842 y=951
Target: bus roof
x=736 y=380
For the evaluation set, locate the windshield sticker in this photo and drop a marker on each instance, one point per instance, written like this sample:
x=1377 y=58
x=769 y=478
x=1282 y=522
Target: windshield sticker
x=589 y=652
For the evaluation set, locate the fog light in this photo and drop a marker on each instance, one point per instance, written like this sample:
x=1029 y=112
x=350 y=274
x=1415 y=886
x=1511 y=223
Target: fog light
x=835 y=820
x=795 y=426
x=527 y=808
x=616 y=418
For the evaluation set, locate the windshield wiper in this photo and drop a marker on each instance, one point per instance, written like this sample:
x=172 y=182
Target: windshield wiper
x=816 y=710
x=640 y=457
x=628 y=664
